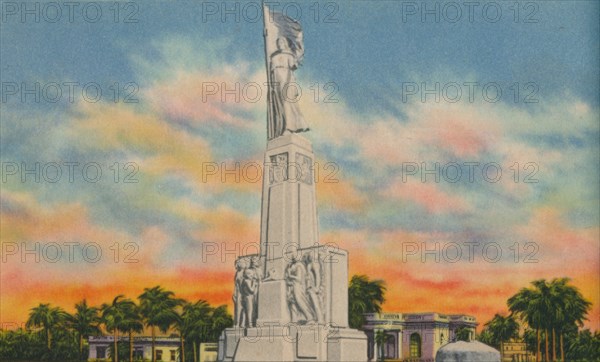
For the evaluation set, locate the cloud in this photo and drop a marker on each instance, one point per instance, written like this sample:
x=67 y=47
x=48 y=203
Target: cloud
x=175 y=210
x=103 y=262
x=199 y=99
x=427 y=195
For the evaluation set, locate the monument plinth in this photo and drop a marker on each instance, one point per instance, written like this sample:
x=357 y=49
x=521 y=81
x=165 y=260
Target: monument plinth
x=290 y=299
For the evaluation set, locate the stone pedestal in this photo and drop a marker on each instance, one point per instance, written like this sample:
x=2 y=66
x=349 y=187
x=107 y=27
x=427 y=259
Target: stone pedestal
x=276 y=336
x=297 y=289
x=272 y=303
x=347 y=345
x=293 y=342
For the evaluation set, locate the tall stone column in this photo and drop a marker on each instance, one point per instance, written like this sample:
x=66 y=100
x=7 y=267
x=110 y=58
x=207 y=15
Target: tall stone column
x=299 y=288
x=289 y=212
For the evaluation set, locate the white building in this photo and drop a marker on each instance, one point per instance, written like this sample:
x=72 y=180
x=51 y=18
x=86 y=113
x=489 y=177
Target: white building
x=414 y=336
x=167 y=348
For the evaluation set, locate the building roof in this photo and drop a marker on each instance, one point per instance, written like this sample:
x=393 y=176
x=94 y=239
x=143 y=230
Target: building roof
x=467 y=351
x=404 y=318
x=137 y=339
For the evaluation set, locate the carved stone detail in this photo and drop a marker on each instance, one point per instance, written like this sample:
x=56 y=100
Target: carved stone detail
x=247 y=280
x=238 y=305
x=314 y=284
x=278 y=169
x=305 y=292
x=305 y=166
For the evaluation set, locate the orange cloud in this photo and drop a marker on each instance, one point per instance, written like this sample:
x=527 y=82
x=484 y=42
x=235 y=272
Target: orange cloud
x=117 y=263
x=420 y=283
x=427 y=195
x=341 y=195
x=202 y=97
x=457 y=129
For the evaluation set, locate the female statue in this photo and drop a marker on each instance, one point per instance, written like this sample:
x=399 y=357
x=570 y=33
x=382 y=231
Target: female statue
x=314 y=287
x=286 y=114
x=240 y=267
x=298 y=304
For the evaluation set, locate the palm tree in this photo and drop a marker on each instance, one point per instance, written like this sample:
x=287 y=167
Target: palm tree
x=530 y=340
x=486 y=337
x=181 y=326
x=157 y=306
x=221 y=319
x=462 y=334
x=570 y=310
x=550 y=306
x=381 y=339
x=502 y=329
x=532 y=307
x=364 y=296
x=131 y=323
x=584 y=346
x=115 y=318
x=48 y=318
x=84 y=322
x=196 y=322
x=19 y=344
x=546 y=306
x=199 y=322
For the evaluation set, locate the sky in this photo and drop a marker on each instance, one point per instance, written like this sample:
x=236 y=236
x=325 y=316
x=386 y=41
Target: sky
x=456 y=147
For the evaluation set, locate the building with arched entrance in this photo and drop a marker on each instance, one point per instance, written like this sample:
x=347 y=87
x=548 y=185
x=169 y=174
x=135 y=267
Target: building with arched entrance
x=413 y=336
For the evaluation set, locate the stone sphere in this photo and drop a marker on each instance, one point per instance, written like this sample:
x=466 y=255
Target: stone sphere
x=467 y=351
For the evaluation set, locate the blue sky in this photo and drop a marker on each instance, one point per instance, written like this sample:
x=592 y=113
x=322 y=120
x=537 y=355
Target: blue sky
x=373 y=40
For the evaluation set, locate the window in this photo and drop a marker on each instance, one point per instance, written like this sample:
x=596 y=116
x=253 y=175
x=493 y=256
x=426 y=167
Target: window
x=415 y=345
x=100 y=352
x=173 y=355
x=390 y=347
x=159 y=354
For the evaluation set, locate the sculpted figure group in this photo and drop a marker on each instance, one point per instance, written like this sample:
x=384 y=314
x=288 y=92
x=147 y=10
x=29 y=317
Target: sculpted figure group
x=305 y=288
x=304 y=285
x=247 y=279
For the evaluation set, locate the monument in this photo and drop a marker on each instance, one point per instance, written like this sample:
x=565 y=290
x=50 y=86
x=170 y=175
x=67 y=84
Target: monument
x=291 y=299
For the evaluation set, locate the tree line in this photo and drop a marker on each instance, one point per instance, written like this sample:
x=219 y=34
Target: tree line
x=548 y=317
x=52 y=334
